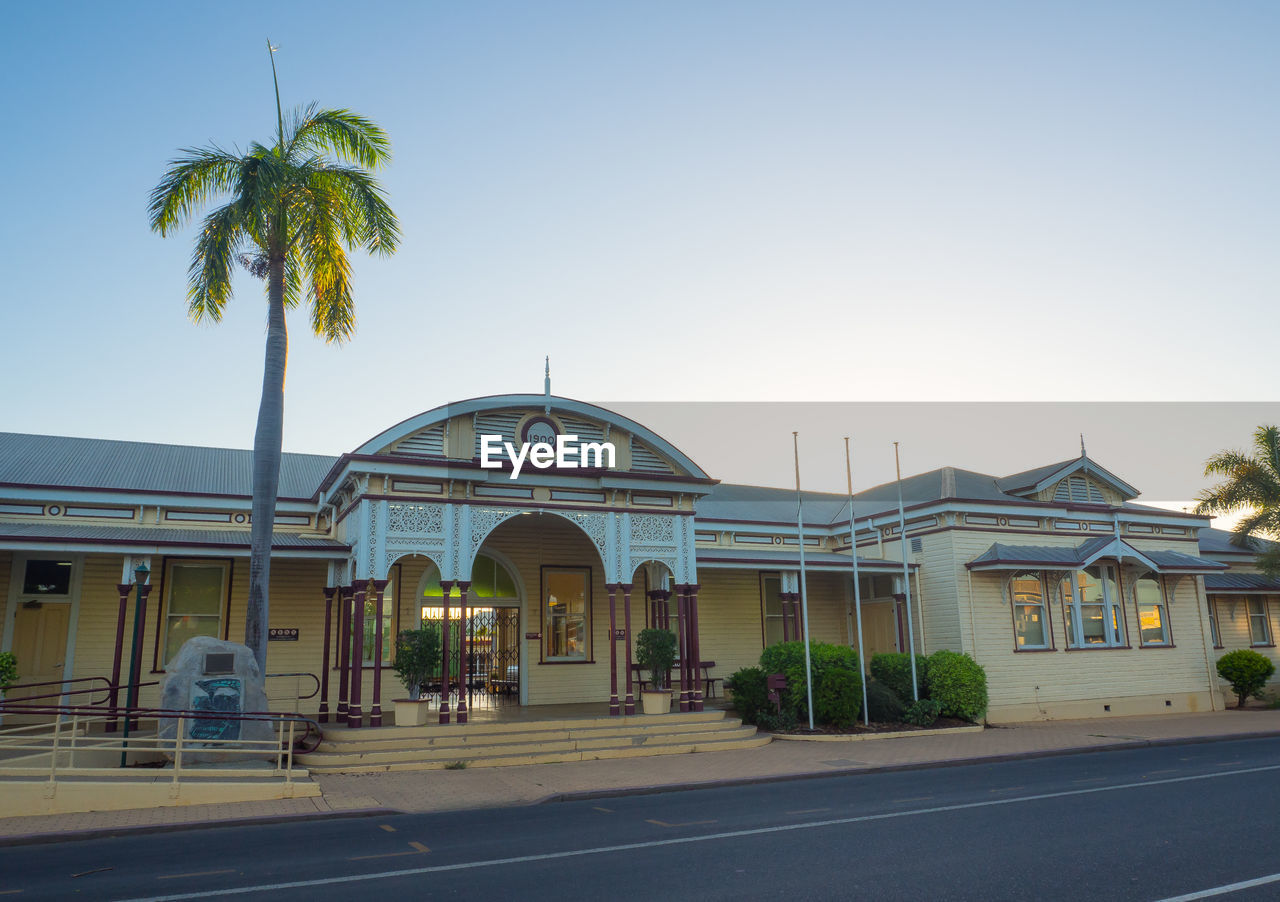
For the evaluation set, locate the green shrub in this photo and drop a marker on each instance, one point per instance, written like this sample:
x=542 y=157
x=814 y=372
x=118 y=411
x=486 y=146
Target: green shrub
x=922 y=713
x=838 y=698
x=778 y=723
x=958 y=684
x=883 y=704
x=893 y=669
x=417 y=656
x=8 y=670
x=750 y=690
x=656 y=653
x=787 y=658
x=1246 y=671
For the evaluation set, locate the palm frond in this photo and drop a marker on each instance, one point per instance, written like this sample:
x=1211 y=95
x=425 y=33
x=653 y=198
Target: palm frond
x=329 y=271
x=209 y=275
x=350 y=137
x=188 y=183
x=1267 y=440
x=364 y=205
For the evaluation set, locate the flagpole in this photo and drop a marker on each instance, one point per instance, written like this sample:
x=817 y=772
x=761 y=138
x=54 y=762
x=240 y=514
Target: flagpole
x=804 y=595
x=906 y=579
x=857 y=590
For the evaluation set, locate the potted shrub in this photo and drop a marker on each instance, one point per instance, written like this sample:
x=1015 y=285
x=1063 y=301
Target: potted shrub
x=417 y=657
x=8 y=671
x=656 y=653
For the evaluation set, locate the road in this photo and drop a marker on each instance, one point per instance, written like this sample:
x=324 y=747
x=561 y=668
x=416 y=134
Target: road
x=1145 y=824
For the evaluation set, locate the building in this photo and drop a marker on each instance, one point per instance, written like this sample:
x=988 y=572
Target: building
x=1077 y=600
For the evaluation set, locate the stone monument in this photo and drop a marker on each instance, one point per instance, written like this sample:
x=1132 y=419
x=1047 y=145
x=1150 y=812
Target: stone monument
x=212 y=675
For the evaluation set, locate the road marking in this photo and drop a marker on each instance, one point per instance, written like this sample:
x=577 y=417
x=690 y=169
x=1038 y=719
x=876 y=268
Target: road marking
x=388 y=828
x=605 y=810
x=807 y=811
x=1091 y=780
x=1227 y=888
x=194 y=874
x=683 y=824
x=419 y=846
x=912 y=799
x=706 y=837
x=1006 y=789
x=93 y=871
x=9 y=892
x=417 y=849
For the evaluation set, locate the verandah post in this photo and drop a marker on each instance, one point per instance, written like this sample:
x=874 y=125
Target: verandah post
x=614 y=708
x=446 y=586
x=324 y=666
x=344 y=652
x=696 y=641
x=682 y=624
x=355 y=716
x=630 y=704
x=113 y=697
x=463 y=620
x=375 y=714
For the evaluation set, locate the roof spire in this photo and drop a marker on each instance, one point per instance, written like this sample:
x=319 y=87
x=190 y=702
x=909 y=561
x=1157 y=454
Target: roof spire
x=1084 y=455
x=546 y=386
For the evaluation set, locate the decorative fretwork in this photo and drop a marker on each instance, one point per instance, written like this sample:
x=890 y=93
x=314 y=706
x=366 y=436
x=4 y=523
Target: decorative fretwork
x=596 y=527
x=435 y=555
x=416 y=519
x=484 y=520
x=652 y=529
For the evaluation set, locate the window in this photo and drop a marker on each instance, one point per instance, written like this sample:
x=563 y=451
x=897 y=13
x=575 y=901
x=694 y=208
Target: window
x=1079 y=490
x=566 y=604
x=371 y=623
x=771 y=608
x=1091 y=601
x=1153 y=617
x=45 y=577
x=1030 y=615
x=1213 y=622
x=195 y=594
x=1259 y=628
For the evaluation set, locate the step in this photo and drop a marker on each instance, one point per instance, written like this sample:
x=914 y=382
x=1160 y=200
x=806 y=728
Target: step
x=339 y=732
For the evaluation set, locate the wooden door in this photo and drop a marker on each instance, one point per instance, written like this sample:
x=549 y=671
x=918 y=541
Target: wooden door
x=40 y=646
x=879 y=628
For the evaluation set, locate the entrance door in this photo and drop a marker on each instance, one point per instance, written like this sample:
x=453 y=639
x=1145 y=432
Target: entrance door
x=879 y=628
x=40 y=646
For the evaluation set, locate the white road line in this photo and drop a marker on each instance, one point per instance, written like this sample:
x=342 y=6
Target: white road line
x=1223 y=890
x=658 y=843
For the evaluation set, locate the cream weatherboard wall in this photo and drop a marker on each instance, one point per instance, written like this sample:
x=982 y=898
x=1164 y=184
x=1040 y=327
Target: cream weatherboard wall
x=1233 y=629
x=1061 y=683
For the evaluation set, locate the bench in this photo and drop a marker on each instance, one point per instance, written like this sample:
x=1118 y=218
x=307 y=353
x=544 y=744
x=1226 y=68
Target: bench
x=708 y=681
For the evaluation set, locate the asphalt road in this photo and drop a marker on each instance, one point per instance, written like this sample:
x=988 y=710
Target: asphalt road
x=1145 y=824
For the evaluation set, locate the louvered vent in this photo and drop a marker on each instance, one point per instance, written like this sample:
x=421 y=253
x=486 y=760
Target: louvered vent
x=1078 y=489
x=426 y=443
x=587 y=432
x=502 y=422
x=645 y=461
x=917 y=546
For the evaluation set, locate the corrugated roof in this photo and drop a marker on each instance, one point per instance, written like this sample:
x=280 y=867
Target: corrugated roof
x=1221 y=541
x=50 y=460
x=790 y=558
x=1240 y=582
x=142 y=536
x=1001 y=556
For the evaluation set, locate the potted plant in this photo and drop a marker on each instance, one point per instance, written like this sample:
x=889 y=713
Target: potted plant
x=656 y=653
x=417 y=657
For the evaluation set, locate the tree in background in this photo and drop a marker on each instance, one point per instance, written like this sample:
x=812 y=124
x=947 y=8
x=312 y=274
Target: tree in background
x=293 y=211
x=1253 y=486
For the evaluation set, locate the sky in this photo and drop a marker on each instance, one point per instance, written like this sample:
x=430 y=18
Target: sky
x=719 y=202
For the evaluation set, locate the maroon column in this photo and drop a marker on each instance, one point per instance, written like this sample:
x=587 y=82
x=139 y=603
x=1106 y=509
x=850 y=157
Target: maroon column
x=696 y=641
x=630 y=704
x=463 y=649
x=446 y=588
x=344 y=652
x=324 y=668
x=682 y=635
x=614 y=708
x=139 y=632
x=113 y=696
x=355 y=714
x=375 y=713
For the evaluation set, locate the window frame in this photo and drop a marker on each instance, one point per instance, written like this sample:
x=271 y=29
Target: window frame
x=1265 y=601
x=1050 y=642
x=1115 y=607
x=1215 y=628
x=765 y=616
x=166 y=594
x=1166 y=621
x=544 y=621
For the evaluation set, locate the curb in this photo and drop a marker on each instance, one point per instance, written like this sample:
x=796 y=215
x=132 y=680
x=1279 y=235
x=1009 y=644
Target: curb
x=728 y=782
x=54 y=836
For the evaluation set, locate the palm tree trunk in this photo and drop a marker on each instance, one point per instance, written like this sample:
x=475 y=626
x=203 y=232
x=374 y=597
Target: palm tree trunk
x=266 y=466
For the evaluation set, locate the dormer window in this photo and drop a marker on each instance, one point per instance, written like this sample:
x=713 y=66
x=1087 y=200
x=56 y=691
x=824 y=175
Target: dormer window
x=1078 y=489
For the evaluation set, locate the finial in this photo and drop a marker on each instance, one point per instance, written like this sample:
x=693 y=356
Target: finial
x=1082 y=451
x=546 y=386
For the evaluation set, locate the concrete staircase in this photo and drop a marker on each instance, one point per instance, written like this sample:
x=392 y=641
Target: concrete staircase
x=438 y=746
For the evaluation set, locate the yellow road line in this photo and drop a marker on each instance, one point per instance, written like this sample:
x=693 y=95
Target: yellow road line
x=605 y=810
x=194 y=874
x=912 y=799
x=685 y=824
x=807 y=811
x=9 y=892
x=388 y=828
x=418 y=849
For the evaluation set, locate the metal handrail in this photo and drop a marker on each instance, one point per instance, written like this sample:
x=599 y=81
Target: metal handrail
x=315 y=679
x=105 y=712
x=106 y=689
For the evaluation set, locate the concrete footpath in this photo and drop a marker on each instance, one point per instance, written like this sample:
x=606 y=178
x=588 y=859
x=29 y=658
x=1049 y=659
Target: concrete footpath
x=447 y=790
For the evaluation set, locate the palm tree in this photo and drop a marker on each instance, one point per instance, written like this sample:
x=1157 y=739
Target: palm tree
x=291 y=215
x=1253 y=486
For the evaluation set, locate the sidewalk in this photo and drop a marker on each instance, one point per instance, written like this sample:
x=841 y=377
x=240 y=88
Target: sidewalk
x=446 y=790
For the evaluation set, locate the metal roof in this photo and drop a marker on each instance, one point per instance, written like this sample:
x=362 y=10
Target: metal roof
x=789 y=558
x=1006 y=557
x=143 y=536
x=1240 y=582
x=1220 y=541
x=51 y=460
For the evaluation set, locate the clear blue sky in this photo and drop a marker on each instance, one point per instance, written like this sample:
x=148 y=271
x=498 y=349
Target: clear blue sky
x=713 y=201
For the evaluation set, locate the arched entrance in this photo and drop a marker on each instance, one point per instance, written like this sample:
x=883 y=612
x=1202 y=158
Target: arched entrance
x=487 y=632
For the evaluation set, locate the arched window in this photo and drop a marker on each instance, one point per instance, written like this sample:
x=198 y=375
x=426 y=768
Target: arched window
x=1030 y=614
x=1153 y=617
x=1078 y=489
x=491 y=584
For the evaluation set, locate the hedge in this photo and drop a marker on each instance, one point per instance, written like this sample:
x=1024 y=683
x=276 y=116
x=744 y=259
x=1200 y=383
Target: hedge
x=883 y=704
x=958 y=684
x=750 y=694
x=1246 y=671
x=830 y=698
x=893 y=669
